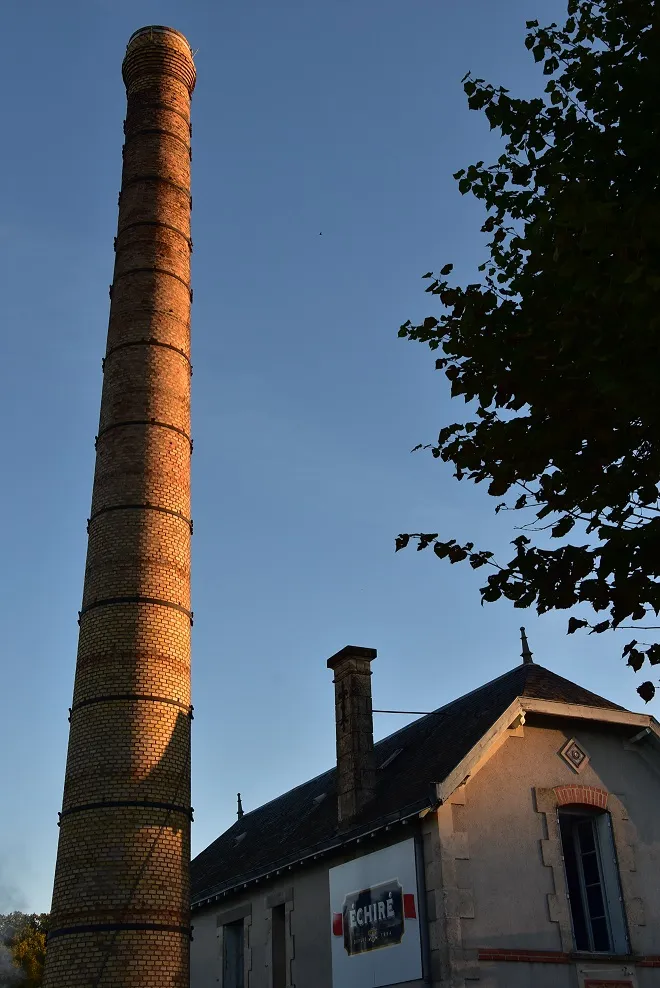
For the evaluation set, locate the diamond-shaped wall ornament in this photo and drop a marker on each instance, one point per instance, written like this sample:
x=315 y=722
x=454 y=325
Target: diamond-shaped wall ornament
x=575 y=755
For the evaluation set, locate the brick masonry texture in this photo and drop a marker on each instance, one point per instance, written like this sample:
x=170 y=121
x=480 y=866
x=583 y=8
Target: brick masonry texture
x=120 y=912
x=585 y=795
x=522 y=955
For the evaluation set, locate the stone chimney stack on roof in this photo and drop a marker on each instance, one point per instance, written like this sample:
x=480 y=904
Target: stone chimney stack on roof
x=356 y=771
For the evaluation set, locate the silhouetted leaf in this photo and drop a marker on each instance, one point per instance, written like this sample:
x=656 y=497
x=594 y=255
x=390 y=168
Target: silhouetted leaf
x=563 y=527
x=653 y=654
x=457 y=554
x=646 y=691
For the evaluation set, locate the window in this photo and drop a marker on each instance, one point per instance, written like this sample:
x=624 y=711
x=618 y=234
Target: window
x=278 y=943
x=232 y=955
x=593 y=881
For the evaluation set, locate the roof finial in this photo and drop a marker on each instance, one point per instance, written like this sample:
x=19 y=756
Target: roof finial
x=526 y=654
x=240 y=806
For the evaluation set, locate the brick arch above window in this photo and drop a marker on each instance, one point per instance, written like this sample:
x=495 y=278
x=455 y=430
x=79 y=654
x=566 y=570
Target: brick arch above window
x=582 y=796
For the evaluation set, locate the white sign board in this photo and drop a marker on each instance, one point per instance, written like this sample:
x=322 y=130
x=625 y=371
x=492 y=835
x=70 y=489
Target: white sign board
x=375 y=927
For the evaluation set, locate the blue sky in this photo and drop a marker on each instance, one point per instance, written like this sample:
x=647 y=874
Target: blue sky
x=342 y=118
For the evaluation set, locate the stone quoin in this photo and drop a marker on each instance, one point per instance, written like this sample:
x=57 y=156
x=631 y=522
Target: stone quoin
x=120 y=913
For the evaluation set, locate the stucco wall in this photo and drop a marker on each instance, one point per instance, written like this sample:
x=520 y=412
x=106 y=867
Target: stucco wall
x=505 y=870
x=310 y=923
x=254 y=908
x=204 y=954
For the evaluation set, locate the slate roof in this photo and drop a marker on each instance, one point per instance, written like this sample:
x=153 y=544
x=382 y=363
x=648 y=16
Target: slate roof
x=304 y=821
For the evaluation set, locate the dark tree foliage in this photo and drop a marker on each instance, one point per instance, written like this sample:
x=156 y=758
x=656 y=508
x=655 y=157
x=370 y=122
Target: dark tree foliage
x=556 y=349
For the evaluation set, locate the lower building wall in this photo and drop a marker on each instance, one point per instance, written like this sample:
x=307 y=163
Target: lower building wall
x=204 y=954
x=306 y=901
x=310 y=927
x=305 y=895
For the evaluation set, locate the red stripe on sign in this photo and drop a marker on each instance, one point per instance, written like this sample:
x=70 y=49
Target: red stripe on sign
x=337 y=925
x=409 y=910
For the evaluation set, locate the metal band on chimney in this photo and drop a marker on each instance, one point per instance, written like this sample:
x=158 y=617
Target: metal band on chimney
x=153 y=178
x=141 y=507
x=161 y=106
x=114 y=697
x=144 y=804
x=158 y=223
x=67 y=931
x=161 y=131
x=134 y=599
x=150 y=270
x=154 y=422
x=151 y=341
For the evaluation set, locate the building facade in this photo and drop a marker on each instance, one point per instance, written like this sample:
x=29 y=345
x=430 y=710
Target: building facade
x=509 y=839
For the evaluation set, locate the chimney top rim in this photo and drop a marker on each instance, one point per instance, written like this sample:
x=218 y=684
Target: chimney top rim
x=351 y=652
x=160 y=29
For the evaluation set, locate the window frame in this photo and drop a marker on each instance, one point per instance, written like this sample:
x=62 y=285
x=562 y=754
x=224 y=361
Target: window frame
x=278 y=945
x=240 y=966
x=609 y=878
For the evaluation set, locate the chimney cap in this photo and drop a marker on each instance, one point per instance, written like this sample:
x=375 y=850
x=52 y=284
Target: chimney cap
x=351 y=652
x=158 y=29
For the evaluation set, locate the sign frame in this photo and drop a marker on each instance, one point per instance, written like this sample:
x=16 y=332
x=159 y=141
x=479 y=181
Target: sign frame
x=376 y=898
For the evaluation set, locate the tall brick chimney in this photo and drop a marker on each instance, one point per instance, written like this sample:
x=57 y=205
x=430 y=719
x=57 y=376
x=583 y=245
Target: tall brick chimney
x=356 y=771
x=120 y=913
